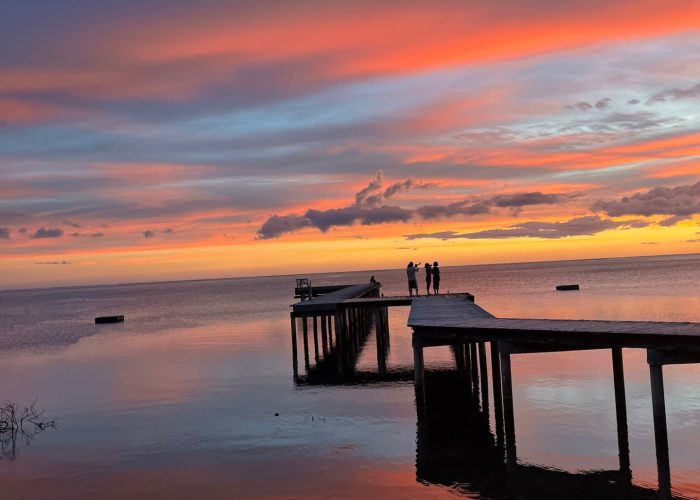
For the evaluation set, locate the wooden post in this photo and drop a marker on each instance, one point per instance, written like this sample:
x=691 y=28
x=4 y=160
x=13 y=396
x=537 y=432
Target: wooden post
x=418 y=368
x=459 y=358
x=358 y=330
x=305 y=329
x=497 y=395
x=660 y=430
x=348 y=339
x=468 y=364
x=385 y=327
x=324 y=335
x=338 y=317
x=508 y=411
x=475 y=370
x=331 y=343
x=381 y=361
x=623 y=445
x=483 y=369
x=295 y=361
x=316 y=338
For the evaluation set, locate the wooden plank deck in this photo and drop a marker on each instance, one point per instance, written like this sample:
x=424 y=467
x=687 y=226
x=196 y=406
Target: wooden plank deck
x=317 y=290
x=443 y=319
x=444 y=309
x=329 y=302
x=400 y=300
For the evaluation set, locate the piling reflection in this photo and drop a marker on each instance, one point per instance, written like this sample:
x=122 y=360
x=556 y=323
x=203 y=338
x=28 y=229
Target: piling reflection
x=457 y=448
x=332 y=344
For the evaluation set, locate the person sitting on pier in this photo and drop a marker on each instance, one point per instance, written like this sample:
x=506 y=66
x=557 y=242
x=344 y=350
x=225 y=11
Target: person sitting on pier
x=372 y=281
x=411 y=273
x=428 y=275
x=436 y=278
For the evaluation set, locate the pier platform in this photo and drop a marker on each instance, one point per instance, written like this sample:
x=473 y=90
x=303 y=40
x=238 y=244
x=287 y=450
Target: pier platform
x=343 y=316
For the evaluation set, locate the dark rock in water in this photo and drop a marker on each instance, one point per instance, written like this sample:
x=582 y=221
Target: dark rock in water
x=567 y=287
x=109 y=319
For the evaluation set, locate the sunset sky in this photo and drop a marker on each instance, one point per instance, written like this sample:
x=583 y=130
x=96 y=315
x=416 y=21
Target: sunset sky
x=178 y=139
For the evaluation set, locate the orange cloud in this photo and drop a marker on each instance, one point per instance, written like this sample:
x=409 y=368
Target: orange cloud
x=326 y=41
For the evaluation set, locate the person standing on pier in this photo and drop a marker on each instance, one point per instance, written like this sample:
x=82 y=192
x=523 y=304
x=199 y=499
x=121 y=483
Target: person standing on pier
x=411 y=273
x=436 y=278
x=428 y=276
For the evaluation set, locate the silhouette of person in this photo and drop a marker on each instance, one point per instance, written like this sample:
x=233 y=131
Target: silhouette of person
x=411 y=273
x=428 y=276
x=372 y=281
x=436 y=278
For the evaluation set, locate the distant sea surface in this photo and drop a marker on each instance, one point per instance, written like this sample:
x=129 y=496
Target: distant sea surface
x=193 y=395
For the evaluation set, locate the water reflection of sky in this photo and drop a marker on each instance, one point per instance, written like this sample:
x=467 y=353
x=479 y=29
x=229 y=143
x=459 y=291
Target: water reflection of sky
x=181 y=408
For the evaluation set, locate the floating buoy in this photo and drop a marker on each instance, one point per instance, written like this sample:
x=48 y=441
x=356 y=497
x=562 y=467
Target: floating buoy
x=109 y=319
x=567 y=287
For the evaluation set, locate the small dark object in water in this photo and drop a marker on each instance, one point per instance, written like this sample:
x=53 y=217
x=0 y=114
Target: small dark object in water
x=567 y=287
x=277 y=414
x=109 y=319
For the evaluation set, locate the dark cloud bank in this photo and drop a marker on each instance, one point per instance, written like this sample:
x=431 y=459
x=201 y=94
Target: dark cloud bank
x=677 y=203
x=47 y=233
x=579 y=226
x=151 y=233
x=370 y=207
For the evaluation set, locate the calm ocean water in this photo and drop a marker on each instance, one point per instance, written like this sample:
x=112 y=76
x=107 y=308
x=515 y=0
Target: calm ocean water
x=193 y=396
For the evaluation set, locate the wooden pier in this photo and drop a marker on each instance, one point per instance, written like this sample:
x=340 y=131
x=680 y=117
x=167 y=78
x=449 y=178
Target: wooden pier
x=343 y=317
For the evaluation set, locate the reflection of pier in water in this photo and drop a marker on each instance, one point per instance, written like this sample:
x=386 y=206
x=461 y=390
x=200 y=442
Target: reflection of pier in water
x=456 y=448
x=343 y=319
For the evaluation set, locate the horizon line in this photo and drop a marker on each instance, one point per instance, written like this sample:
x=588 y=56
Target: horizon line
x=156 y=282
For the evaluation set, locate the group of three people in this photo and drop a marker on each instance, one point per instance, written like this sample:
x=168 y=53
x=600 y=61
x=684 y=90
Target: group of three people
x=432 y=274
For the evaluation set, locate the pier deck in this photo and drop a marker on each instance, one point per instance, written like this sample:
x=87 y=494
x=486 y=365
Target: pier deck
x=330 y=301
x=442 y=320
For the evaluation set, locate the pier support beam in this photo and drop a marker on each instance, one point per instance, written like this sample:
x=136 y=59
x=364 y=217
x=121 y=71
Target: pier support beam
x=381 y=348
x=484 y=378
x=467 y=364
x=508 y=411
x=660 y=429
x=295 y=361
x=419 y=370
x=331 y=343
x=305 y=330
x=339 y=344
x=460 y=362
x=324 y=336
x=316 y=356
x=497 y=395
x=623 y=445
x=475 y=370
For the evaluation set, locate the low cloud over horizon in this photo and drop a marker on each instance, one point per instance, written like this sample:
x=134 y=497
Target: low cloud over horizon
x=679 y=203
x=370 y=208
x=579 y=226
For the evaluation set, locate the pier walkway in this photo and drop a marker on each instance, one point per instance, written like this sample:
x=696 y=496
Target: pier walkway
x=343 y=316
